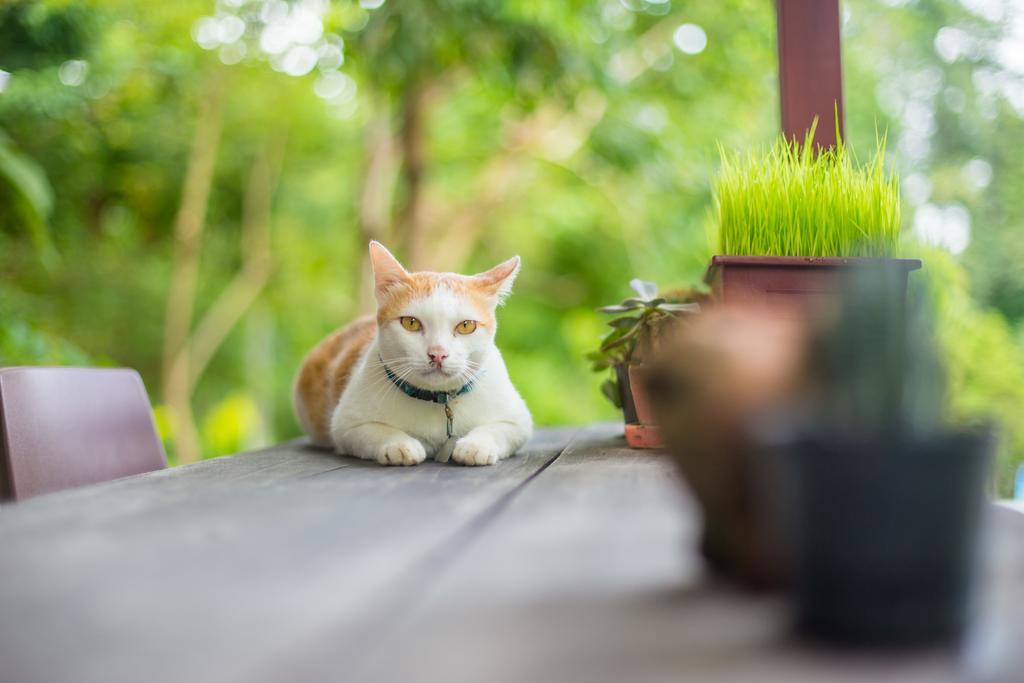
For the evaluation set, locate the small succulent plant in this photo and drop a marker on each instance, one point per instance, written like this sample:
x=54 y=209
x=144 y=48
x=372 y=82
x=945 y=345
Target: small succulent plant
x=637 y=326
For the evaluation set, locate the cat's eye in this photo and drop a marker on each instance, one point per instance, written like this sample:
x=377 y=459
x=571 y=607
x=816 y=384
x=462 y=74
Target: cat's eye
x=466 y=327
x=410 y=323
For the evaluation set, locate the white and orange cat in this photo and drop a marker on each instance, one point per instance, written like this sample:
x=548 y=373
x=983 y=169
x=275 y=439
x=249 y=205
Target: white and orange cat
x=423 y=378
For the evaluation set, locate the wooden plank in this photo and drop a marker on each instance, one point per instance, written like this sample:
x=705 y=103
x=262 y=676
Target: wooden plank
x=599 y=528
x=1001 y=631
x=810 y=68
x=590 y=575
x=577 y=566
x=166 y=487
x=235 y=564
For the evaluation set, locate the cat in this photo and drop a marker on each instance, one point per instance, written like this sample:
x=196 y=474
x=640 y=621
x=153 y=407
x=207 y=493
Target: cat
x=383 y=388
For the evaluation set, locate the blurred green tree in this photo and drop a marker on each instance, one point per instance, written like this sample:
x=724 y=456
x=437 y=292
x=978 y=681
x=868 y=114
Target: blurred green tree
x=217 y=166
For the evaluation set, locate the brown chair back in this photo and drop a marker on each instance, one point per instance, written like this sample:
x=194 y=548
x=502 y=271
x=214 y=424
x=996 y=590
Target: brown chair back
x=67 y=427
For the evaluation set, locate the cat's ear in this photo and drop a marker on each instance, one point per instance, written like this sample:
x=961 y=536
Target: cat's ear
x=497 y=282
x=387 y=271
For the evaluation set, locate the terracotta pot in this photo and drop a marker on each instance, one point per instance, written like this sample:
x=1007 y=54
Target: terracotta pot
x=710 y=386
x=643 y=436
x=641 y=400
x=643 y=433
x=787 y=280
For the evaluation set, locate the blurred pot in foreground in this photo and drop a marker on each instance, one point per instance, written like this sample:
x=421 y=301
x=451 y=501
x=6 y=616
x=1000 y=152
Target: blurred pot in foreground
x=884 y=526
x=885 y=535
x=716 y=376
x=824 y=457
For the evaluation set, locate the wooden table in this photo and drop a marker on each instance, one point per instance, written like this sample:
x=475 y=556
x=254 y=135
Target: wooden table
x=573 y=561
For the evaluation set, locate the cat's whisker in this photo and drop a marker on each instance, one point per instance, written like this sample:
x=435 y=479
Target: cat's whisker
x=377 y=387
x=380 y=392
x=471 y=377
x=401 y=374
x=380 y=381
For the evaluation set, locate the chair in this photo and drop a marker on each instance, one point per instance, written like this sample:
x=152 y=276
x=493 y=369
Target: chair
x=67 y=427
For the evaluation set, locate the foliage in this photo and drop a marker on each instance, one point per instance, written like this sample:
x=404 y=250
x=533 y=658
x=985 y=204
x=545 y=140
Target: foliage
x=790 y=200
x=634 y=335
x=982 y=361
x=26 y=198
x=19 y=339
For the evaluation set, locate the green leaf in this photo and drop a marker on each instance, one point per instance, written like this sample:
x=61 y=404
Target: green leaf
x=614 y=334
x=621 y=341
x=627 y=305
x=31 y=196
x=610 y=389
x=624 y=322
x=26 y=178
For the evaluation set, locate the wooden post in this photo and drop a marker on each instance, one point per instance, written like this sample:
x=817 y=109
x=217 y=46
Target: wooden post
x=810 y=69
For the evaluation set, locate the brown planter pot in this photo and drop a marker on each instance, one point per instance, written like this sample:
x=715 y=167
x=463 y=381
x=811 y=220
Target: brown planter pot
x=643 y=433
x=787 y=280
x=641 y=400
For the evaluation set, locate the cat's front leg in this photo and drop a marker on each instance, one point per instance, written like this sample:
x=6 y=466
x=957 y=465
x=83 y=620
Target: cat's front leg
x=489 y=443
x=380 y=442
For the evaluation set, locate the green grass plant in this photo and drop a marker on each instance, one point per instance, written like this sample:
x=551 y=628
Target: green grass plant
x=792 y=199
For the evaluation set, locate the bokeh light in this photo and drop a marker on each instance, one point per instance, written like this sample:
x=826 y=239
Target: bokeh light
x=690 y=39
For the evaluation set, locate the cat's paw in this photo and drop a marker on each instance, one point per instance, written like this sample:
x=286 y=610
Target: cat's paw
x=407 y=451
x=476 y=450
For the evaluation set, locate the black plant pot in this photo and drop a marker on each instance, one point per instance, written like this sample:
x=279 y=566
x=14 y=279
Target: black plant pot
x=885 y=537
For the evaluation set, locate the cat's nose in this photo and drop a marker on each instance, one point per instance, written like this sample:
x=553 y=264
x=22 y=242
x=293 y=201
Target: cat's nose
x=437 y=355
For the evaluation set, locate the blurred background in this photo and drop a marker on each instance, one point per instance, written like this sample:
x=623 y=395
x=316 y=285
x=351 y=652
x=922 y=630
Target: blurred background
x=187 y=187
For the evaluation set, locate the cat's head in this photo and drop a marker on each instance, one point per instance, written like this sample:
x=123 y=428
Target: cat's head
x=436 y=329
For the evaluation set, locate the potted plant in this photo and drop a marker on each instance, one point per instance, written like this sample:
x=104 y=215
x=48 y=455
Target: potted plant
x=792 y=217
x=641 y=322
x=821 y=458
x=885 y=495
x=711 y=381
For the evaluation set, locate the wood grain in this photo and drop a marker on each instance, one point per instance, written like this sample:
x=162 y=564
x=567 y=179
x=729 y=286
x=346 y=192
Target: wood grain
x=574 y=561
x=591 y=575
x=810 y=68
x=209 y=573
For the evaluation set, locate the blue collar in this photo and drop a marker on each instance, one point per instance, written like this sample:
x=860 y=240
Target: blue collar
x=441 y=397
